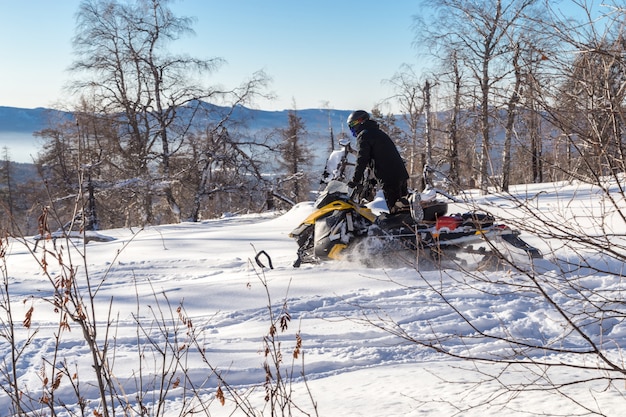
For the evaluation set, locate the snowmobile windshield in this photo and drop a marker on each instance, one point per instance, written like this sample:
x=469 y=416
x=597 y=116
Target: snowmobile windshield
x=334 y=190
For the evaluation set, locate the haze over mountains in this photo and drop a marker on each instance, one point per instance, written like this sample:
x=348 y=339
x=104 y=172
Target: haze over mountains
x=17 y=126
x=16 y=132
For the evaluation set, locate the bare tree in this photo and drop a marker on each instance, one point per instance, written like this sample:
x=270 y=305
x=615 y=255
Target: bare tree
x=584 y=100
x=511 y=111
x=453 y=126
x=532 y=110
x=224 y=173
x=7 y=186
x=595 y=93
x=140 y=106
x=124 y=64
x=408 y=94
x=295 y=157
x=479 y=33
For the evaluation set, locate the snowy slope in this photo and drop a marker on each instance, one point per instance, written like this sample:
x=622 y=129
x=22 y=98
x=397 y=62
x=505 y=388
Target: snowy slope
x=352 y=366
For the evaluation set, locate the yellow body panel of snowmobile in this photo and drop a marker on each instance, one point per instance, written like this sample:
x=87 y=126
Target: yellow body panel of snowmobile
x=339 y=205
x=336 y=250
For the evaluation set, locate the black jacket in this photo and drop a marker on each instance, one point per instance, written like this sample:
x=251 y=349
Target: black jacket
x=376 y=147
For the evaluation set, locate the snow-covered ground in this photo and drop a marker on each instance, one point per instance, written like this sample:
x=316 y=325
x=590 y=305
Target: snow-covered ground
x=193 y=290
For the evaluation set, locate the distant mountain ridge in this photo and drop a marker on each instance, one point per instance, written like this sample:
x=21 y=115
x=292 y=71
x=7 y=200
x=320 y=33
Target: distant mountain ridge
x=17 y=125
x=16 y=119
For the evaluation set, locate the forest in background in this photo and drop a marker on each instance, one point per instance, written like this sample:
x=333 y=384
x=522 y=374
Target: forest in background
x=517 y=93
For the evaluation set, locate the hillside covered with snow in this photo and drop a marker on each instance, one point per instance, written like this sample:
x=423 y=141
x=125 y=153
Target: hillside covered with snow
x=184 y=317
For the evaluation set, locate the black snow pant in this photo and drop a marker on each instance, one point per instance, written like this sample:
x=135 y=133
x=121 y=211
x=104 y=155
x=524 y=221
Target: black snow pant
x=393 y=192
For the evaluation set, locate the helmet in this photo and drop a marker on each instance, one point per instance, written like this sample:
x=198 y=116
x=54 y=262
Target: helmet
x=356 y=119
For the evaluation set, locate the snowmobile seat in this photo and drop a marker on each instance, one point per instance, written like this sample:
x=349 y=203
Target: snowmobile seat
x=477 y=220
x=434 y=210
x=391 y=221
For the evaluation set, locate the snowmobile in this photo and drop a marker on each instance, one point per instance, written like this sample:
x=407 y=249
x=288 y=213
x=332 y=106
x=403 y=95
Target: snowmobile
x=342 y=228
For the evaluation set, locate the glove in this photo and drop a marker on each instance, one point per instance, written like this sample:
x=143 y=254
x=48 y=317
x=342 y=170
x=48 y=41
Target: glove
x=356 y=190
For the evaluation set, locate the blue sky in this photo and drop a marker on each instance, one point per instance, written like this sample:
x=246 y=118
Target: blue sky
x=322 y=53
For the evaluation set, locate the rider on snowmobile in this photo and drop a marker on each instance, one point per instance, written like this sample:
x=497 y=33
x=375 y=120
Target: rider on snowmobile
x=375 y=148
